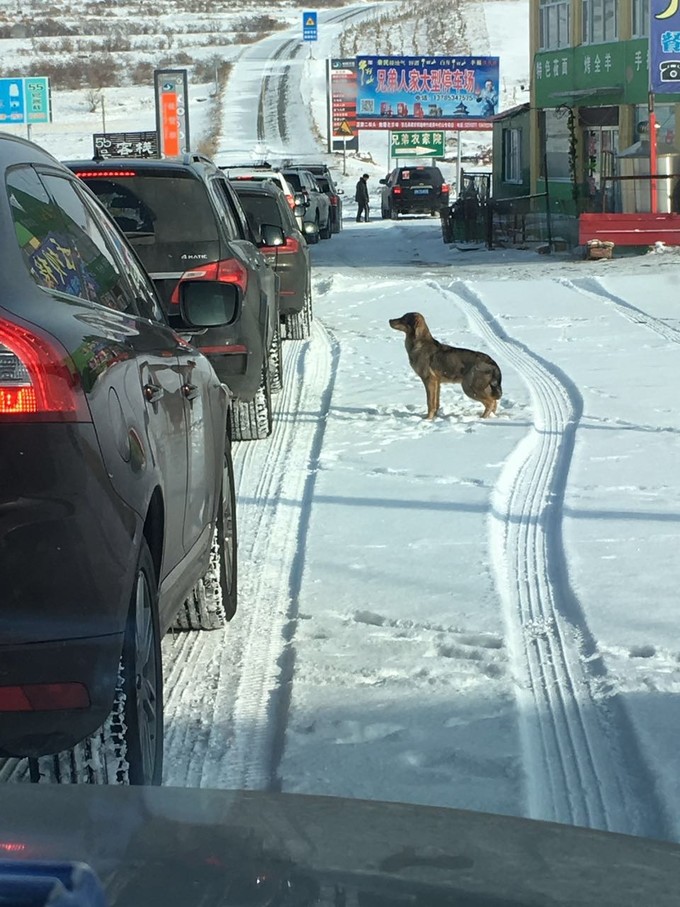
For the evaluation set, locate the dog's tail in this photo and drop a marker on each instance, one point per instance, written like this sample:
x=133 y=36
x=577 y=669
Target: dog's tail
x=495 y=384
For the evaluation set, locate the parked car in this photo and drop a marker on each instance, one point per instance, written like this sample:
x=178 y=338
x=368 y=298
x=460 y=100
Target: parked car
x=265 y=203
x=117 y=508
x=318 y=208
x=263 y=172
x=414 y=190
x=185 y=222
x=324 y=177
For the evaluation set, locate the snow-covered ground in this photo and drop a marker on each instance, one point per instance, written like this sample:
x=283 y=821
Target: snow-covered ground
x=465 y=612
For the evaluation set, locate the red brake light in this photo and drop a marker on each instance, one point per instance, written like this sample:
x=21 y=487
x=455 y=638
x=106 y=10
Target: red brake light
x=291 y=201
x=44 y=697
x=333 y=199
x=396 y=190
x=228 y=271
x=445 y=187
x=103 y=174
x=290 y=246
x=37 y=380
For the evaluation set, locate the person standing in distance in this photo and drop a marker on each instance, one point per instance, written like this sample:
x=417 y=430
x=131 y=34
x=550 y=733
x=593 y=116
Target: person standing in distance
x=361 y=197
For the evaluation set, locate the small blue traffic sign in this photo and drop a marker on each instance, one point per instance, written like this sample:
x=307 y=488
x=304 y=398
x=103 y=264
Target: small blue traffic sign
x=310 y=30
x=12 y=104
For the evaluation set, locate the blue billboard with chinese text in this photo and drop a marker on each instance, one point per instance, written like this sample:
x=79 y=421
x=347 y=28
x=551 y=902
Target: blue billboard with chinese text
x=411 y=92
x=664 y=47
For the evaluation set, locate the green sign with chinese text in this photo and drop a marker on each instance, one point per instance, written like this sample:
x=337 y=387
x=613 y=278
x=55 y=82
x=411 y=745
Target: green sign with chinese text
x=417 y=143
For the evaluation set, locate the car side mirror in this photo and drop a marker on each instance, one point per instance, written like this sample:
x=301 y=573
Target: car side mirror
x=271 y=235
x=301 y=199
x=340 y=192
x=299 y=210
x=384 y=182
x=205 y=304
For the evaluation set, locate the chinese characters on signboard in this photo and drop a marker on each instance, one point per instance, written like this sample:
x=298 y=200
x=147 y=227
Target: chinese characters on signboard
x=343 y=78
x=172 y=113
x=417 y=144
x=427 y=92
x=25 y=101
x=664 y=46
x=125 y=144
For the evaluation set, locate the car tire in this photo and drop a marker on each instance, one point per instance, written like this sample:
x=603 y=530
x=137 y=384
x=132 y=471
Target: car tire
x=213 y=600
x=384 y=213
x=253 y=420
x=299 y=325
x=128 y=747
x=276 y=363
x=327 y=231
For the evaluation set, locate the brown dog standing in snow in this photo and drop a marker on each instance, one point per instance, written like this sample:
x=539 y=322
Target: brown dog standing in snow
x=436 y=363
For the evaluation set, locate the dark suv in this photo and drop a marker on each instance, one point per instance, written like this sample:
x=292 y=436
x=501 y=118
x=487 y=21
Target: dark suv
x=265 y=203
x=186 y=223
x=117 y=508
x=318 y=207
x=414 y=190
x=324 y=178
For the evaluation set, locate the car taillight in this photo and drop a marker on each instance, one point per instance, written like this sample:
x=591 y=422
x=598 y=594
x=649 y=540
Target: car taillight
x=228 y=271
x=445 y=188
x=290 y=246
x=37 y=381
x=396 y=190
x=291 y=201
x=103 y=174
x=44 y=697
x=333 y=199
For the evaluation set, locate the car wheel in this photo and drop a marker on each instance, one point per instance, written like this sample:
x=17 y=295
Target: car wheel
x=276 y=363
x=327 y=231
x=385 y=213
x=253 y=421
x=213 y=600
x=299 y=325
x=128 y=748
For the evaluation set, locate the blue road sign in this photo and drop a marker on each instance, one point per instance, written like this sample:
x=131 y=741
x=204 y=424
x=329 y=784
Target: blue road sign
x=12 y=105
x=37 y=91
x=310 y=26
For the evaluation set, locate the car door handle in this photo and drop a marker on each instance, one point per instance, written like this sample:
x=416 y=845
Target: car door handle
x=153 y=393
x=190 y=391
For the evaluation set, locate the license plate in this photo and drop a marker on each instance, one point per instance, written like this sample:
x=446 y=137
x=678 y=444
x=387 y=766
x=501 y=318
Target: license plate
x=421 y=191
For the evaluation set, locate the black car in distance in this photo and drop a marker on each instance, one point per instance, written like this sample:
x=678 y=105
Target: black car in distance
x=117 y=506
x=186 y=223
x=265 y=203
x=416 y=189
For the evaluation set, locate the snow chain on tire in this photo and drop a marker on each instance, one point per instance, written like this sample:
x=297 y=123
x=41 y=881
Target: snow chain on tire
x=99 y=759
x=204 y=609
x=276 y=363
x=299 y=325
x=253 y=421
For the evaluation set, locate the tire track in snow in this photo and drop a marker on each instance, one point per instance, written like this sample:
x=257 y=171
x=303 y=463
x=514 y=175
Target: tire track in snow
x=582 y=760
x=591 y=286
x=229 y=741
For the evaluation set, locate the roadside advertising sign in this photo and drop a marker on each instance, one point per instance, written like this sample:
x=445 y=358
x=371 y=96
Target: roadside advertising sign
x=427 y=92
x=25 y=101
x=172 y=111
x=343 y=79
x=417 y=144
x=125 y=144
x=310 y=26
x=664 y=46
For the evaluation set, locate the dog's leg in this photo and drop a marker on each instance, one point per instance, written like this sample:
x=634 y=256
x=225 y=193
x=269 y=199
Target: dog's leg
x=489 y=406
x=432 y=391
x=436 y=402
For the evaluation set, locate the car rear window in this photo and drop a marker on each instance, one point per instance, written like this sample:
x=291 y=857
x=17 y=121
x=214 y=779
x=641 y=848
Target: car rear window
x=430 y=175
x=293 y=180
x=324 y=185
x=261 y=209
x=171 y=208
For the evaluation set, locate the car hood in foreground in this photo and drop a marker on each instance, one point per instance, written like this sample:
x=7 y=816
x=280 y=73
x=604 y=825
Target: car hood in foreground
x=168 y=846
